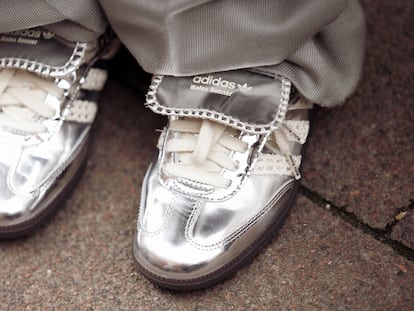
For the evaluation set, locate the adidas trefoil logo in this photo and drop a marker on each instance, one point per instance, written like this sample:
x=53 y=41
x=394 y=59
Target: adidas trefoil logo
x=244 y=87
x=218 y=85
x=48 y=34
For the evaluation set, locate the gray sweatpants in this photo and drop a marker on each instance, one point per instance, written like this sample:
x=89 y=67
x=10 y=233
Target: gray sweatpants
x=318 y=44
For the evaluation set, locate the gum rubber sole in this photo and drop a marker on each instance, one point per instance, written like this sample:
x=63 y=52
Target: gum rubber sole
x=230 y=268
x=70 y=176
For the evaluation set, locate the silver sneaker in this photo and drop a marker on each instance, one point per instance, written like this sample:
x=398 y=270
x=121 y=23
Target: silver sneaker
x=225 y=178
x=48 y=93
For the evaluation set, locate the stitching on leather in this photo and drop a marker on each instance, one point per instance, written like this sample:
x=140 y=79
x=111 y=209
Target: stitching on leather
x=49 y=180
x=164 y=224
x=237 y=233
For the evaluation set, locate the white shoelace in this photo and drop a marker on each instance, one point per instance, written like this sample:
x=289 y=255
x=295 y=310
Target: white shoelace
x=203 y=149
x=22 y=100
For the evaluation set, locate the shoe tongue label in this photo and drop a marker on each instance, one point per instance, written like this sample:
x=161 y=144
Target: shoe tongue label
x=241 y=96
x=35 y=45
x=218 y=85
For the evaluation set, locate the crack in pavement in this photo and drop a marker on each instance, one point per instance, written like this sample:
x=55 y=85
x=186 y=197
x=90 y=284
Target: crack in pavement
x=381 y=235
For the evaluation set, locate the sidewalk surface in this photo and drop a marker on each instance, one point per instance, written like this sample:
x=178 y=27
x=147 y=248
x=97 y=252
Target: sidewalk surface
x=348 y=244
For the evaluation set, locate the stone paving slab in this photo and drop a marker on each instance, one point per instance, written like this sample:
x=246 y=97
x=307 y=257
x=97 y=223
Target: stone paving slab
x=83 y=260
x=361 y=155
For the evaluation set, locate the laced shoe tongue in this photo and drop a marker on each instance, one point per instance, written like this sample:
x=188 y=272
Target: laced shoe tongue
x=23 y=100
x=30 y=61
x=243 y=106
x=202 y=154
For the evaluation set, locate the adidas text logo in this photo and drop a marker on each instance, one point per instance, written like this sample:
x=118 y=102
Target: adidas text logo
x=31 y=33
x=217 y=85
x=211 y=80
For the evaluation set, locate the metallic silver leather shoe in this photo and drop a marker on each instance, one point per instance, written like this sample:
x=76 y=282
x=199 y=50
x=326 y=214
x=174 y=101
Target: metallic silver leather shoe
x=225 y=178
x=48 y=93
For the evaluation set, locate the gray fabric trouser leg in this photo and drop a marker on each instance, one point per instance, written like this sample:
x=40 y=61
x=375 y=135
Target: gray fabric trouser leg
x=75 y=20
x=318 y=44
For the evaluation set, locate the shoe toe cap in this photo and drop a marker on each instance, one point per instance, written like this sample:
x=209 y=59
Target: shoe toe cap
x=184 y=242
x=168 y=260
